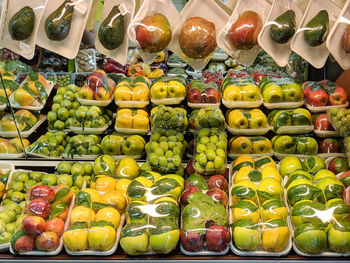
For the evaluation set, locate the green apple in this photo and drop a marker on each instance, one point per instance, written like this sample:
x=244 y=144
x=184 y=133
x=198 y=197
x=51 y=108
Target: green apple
x=29 y=184
x=164 y=146
x=10 y=228
x=112 y=144
x=288 y=165
x=292 y=92
x=163 y=162
x=63 y=167
x=159 y=90
x=87 y=168
x=313 y=164
x=204 y=140
x=21 y=177
x=153 y=159
x=133 y=145
x=272 y=94
x=210 y=155
x=5 y=238
x=77 y=169
x=284 y=144
x=49 y=179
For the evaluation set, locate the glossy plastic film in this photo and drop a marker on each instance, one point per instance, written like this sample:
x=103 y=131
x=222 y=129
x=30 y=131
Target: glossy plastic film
x=254 y=146
x=299 y=145
x=202 y=93
x=209 y=117
x=132 y=121
x=163 y=117
x=10 y=84
x=80 y=145
x=168 y=90
x=338 y=119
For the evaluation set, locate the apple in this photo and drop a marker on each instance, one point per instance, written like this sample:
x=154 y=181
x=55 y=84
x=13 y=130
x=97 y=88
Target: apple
x=317 y=98
x=189 y=168
x=212 y=96
x=194 y=179
x=218 y=181
x=101 y=94
x=217 y=237
x=61 y=206
x=345 y=178
x=328 y=146
x=194 y=96
x=338 y=97
x=218 y=195
x=187 y=193
x=237 y=74
x=68 y=196
x=55 y=225
x=272 y=94
x=322 y=123
x=292 y=92
x=24 y=244
x=47 y=241
x=39 y=207
x=86 y=93
x=338 y=165
x=192 y=241
x=33 y=225
x=42 y=191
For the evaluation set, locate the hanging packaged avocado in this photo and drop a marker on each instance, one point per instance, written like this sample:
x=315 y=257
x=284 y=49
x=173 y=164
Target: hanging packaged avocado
x=62 y=26
x=19 y=25
x=57 y=25
x=277 y=33
x=309 y=40
x=111 y=39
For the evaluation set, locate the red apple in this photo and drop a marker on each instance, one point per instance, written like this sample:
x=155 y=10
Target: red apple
x=24 y=244
x=212 y=96
x=42 y=191
x=237 y=74
x=218 y=195
x=306 y=87
x=317 y=98
x=55 y=225
x=39 y=207
x=328 y=146
x=101 y=94
x=47 y=241
x=338 y=97
x=345 y=178
x=258 y=76
x=338 y=165
x=194 y=96
x=192 y=241
x=33 y=225
x=218 y=181
x=322 y=123
x=96 y=79
x=217 y=238
x=69 y=194
x=187 y=193
x=86 y=93
x=189 y=168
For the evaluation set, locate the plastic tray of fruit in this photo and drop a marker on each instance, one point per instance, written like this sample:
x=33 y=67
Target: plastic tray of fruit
x=168 y=101
x=38 y=106
x=261 y=131
x=11 y=155
x=202 y=105
x=24 y=134
x=131 y=131
x=326 y=134
x=325 y=156
x=260 y=251
x=242 y=104
x=253 y=155
x=60 y=246
x=101 y=253
x=84 y=131
x=298 y=129
x=52 y=76
x=132 y=104
x=41 y=156
x=101 y=103
x=94 y=157
x=315 y=109
x=283 y=105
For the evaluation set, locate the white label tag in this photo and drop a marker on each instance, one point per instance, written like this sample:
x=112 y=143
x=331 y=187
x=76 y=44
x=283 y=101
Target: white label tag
x=123 y=10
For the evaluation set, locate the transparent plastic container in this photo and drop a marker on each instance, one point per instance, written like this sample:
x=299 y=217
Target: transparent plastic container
x=132 y=122
x=168 y=90
x=163 y=117
x=255 y=146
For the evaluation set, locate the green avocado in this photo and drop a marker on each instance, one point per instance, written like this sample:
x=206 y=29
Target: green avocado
x=57 y=25
x=111 y=31
x=317 y=29
x=283 y=27
x=21 y=24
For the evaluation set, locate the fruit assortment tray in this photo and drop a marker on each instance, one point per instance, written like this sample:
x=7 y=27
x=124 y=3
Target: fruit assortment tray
x=314 y=109
x=11 y=155
x=39 y=105
x=24 y=134
x=259 y=251
x=41 y=156
x=101 y=253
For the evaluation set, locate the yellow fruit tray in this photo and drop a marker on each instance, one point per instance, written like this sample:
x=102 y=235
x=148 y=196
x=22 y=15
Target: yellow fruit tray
x=101 y=103
x=101 y=253
x=132 y=104
x=260 y=251
x=24 y=134
x=36 y=105
x=131 y=131
x=168 y=101
x=283 y=105
x=242 y=104
x=314 y=109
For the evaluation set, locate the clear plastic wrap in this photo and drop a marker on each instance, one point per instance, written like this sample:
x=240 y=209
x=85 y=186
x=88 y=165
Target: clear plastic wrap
x=247 y=122
x=96 y=221
x=152 y=27
x=50 y=145
x=209 y=117
x=277 y=33
x=310 y=39
x=202 y=94
x=60 y=79
x=19 y=25
x=64 y=36
x=239 y=37
x=258 y=212
x=168 y=90
x=213 y=76
x=254 y=146
x=80 y=145
x=331 y=147
x=322 y=126
x=132 y=121
x=296 y=121
x=165 y=150
x=10 y=85
x=194 y=39
x=24 y=119
x=152 y=214
x=86 y=61
x=281 y=93
x=204 y=217
x=210 y=150
x=132 y=92
x=163 y=117
x=289 y=145
x=240 y=93
x=112 y=39
x=338 y=117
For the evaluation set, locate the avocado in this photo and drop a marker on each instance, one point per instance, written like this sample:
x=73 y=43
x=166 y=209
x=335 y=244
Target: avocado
x=57 y=24
x=317 y=29
x=21 y=24
x=111 y=31
x=283 y=27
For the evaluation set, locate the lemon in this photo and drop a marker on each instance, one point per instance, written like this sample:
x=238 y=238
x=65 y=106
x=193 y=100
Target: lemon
x=105 y=184
x=122 y=185
x=109 y=214
x=94 y=195
x=82 y=214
